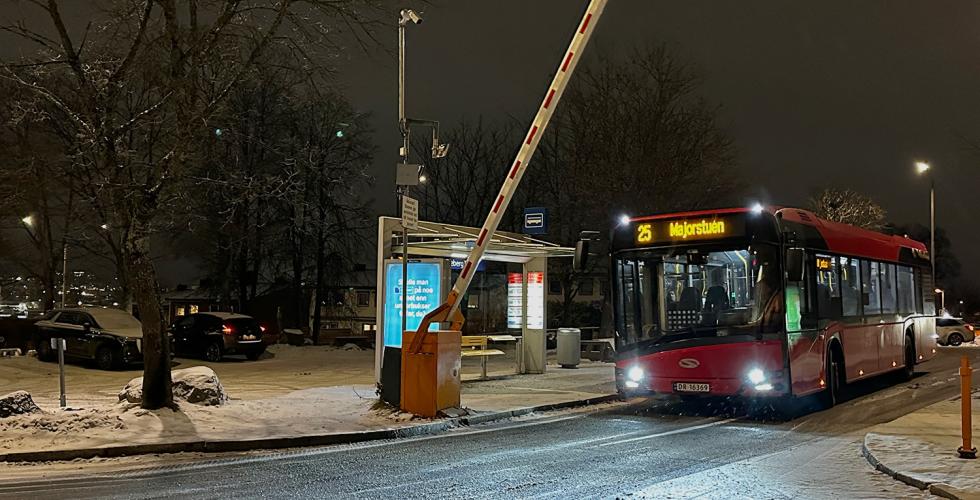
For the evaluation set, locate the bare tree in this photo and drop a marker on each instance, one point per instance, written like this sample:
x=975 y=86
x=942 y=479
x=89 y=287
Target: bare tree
x=849 y=207
x=136 y=89
x=460 y=188
x=632 y=136
x=32 y=195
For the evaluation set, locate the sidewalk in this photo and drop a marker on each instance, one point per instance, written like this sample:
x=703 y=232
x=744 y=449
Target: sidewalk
x=919 y=449
x=267 y=410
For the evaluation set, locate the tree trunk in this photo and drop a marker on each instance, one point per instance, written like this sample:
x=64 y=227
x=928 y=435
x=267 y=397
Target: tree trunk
x=157 y=391
x=320 y=262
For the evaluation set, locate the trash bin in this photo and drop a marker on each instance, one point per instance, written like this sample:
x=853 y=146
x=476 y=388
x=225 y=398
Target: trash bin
x=569 y=347
x=294 y=336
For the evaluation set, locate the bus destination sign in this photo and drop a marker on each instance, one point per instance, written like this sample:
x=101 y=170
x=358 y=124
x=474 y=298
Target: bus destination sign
x=672 y=231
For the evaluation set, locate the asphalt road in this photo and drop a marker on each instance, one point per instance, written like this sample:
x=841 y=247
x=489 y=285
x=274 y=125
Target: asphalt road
x=656 y=448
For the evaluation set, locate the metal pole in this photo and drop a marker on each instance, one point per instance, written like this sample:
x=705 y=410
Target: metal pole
x=966 y=424
x=932 y=227
x=61 y=370
x=403 y=125
x=404 y=270
x=64 y=275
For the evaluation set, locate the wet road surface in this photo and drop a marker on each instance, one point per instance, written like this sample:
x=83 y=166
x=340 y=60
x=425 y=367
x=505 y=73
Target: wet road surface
x=656 y=448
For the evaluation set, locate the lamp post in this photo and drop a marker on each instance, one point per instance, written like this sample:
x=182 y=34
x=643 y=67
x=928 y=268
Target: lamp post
x=405 y=16
x=405 y=124
x=923 y=168
x=942 y=298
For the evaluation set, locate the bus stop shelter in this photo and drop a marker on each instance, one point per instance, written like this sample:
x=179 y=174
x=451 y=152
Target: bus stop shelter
x=433 y=240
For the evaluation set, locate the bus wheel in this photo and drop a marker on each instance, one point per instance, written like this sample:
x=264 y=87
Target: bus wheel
x=831 y=393
x=909 y=371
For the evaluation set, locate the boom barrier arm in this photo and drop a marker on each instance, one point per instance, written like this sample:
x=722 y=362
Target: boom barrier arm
x=449 y=311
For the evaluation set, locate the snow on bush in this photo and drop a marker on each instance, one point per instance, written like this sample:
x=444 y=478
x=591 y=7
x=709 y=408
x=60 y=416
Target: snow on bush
x=17 y=403
x=198 y=385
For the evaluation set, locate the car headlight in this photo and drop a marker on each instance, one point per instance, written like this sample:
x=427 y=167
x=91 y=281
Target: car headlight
x=756 y=376
x=635 y=374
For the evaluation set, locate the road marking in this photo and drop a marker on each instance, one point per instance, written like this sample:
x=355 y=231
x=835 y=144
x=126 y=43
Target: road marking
x=670 y=433
x=110 y=477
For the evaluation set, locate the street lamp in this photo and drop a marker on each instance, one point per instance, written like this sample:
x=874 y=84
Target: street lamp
x=923 y=168
x=942 y=298
x=405 y=16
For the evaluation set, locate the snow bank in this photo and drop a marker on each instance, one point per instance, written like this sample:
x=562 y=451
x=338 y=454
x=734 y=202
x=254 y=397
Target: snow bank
x=198 y=385
x=17 y=403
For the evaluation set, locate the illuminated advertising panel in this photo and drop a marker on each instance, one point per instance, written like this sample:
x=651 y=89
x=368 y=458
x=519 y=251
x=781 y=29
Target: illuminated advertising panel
x=424 y=295
x=515 y=302
x=675 y=231
x=535 y=300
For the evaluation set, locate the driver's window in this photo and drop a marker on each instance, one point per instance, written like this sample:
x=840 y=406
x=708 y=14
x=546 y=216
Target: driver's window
x=70 y=318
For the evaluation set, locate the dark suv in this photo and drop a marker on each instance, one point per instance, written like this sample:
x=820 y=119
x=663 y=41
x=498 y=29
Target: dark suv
x=212 y=335
x=110 y=337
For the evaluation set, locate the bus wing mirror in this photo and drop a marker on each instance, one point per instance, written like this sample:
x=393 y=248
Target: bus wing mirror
x=581 y=258
x=794 y=264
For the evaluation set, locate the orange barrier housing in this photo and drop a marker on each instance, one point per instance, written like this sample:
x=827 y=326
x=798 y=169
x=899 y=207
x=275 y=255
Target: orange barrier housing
x=430 y=377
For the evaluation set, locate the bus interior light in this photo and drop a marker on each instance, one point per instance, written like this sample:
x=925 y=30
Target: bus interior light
x=756 y=376
x=635 y=374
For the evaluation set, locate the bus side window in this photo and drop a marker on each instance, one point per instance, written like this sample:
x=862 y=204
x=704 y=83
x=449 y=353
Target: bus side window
x=906 y=290
x=850 y=278
x=871 y=291
x=828 y=289
x=888 y=296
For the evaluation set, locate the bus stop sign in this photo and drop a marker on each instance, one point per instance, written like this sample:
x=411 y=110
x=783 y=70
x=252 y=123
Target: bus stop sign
x=536 y=220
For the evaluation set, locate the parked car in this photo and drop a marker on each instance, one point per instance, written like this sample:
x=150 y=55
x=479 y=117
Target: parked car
x=212 y=335
x=954 y=331
x=110 y=337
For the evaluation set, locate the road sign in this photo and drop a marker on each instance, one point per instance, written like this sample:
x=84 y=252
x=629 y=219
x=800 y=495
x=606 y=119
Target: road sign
x=535 y=220
x=407 y=174
x=410 y=212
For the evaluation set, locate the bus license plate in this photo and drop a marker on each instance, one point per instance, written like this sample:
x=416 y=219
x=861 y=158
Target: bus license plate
x=691 y=387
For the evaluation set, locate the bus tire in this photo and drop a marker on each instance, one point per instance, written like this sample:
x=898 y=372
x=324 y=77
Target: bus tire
x=909 y=370
x=831 y=394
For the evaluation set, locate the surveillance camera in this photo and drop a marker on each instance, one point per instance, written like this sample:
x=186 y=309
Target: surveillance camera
x=410 y=15
x=440 y=150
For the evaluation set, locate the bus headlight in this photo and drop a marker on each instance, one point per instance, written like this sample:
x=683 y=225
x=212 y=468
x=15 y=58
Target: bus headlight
x=756 y=376
x=635 y=374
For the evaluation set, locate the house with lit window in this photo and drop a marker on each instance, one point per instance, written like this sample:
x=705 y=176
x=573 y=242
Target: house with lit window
x=191 y=300
x=348 y=312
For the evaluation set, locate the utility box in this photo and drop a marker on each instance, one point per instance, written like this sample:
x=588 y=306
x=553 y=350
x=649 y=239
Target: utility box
x=430 y=379
x=569 y=347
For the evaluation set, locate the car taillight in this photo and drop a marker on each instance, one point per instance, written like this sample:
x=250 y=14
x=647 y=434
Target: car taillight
x=227 y=329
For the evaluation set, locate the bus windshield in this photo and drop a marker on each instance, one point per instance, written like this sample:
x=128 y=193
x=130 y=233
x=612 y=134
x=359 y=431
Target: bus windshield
x=697 y=294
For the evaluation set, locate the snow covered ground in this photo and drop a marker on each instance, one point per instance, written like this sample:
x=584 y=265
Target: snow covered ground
x=922 y=445
x=294 y=391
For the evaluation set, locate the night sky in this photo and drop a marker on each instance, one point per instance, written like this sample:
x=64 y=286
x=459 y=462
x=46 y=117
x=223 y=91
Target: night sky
x=817 y=93
x=831 y=92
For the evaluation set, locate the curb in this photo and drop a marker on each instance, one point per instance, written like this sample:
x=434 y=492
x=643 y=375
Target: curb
x=294 y=442
x=939 y=489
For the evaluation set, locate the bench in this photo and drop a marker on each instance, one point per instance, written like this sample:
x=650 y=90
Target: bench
x=476 y=345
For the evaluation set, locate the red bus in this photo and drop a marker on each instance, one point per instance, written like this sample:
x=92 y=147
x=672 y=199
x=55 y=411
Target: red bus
x=765 y=303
